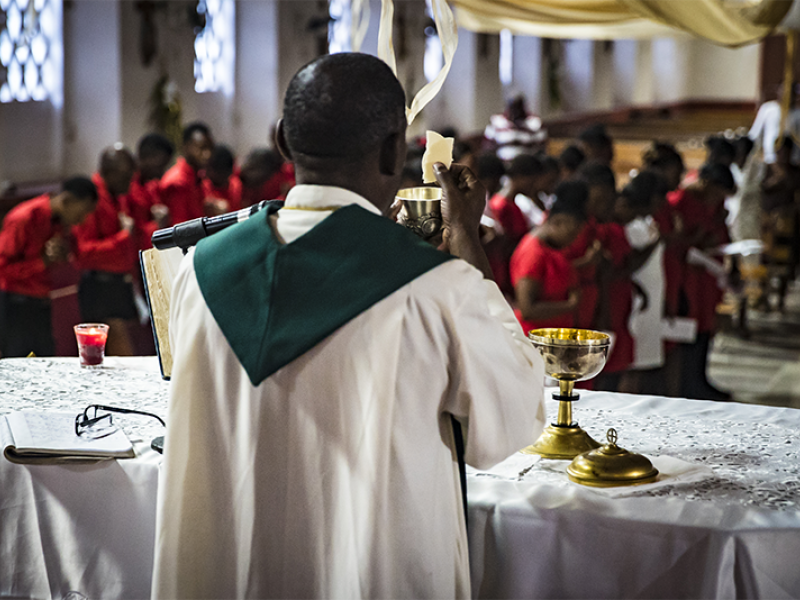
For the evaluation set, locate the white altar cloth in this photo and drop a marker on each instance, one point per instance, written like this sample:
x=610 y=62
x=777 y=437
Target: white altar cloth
x=85 y=528
x=90 y=528
x=733 y=535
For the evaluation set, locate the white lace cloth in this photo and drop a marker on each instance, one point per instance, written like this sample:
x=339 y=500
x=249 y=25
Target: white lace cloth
x=753 y=452
x=60 y=384
x=734 y=533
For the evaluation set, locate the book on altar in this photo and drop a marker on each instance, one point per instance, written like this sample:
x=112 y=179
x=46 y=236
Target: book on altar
x=45 y=437
x=159 y=268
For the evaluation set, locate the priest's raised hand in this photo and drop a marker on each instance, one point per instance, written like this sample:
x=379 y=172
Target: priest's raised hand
x=463 y=201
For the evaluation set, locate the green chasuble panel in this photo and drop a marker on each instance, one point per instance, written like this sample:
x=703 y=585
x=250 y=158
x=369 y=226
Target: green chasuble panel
x=274 y=302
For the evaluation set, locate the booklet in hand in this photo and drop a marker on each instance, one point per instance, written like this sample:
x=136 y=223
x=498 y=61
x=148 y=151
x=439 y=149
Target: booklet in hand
x=36 y=437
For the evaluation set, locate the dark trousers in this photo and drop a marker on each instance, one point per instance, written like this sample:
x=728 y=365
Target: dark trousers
x=104 y=296
x=694 y=362
x=25 y=326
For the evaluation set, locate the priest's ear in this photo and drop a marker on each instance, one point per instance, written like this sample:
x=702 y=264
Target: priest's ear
x=392 y=155
x=280 y=141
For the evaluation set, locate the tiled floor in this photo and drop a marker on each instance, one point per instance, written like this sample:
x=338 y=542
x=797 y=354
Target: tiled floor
x=765 y=368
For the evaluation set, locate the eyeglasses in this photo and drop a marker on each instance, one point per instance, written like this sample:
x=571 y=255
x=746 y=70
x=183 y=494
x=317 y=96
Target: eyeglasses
x=101 y=425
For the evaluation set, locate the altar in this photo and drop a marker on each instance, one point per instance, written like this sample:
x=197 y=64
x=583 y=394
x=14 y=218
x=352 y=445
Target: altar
x=533 y=534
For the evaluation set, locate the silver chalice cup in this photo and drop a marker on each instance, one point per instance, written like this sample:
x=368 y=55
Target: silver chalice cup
x=422 y=210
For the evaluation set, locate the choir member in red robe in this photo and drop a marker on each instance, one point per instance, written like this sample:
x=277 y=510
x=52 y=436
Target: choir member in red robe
x=153 y=154
x=701 y=210
x=525 y=178
x=36 y=236
x=221 y=186
x=264 y=176
x=182 y=184
x=664 y=160
x=545 y=283
x=587 y=253
x=108 y=252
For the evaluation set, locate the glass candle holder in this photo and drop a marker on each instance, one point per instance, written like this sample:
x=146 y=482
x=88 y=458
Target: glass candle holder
x=91 y=338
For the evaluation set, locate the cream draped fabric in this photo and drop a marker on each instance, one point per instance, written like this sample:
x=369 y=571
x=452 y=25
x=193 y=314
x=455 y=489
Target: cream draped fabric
x=726 y=22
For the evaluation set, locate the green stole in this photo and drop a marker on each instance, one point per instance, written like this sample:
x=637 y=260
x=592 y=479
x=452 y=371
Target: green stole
x=274 y=301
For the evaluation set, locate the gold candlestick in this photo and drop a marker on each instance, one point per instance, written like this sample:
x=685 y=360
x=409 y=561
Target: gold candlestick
x=570 y=355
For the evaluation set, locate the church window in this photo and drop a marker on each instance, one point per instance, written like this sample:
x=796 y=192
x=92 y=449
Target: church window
x=214 y=47
x=30 y=50
x=339 y=26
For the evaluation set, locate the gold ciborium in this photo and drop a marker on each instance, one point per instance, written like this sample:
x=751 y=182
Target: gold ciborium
x=422 y=210
x=570 y=355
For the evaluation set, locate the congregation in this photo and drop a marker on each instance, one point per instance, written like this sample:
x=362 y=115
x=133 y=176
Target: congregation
x=99 y=224
x=567 y=246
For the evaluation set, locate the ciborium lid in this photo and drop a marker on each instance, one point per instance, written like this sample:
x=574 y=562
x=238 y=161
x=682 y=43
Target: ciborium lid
x=611 y=466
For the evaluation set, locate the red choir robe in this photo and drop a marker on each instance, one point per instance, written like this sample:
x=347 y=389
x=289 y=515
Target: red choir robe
x=143 y=196
x=232 y=193
x=587 y=275
x=102 y=243
x=701 y=289
x=26 y=230
x=511 y=219
x=275 y=188
x=620 y=298
x=514 y=226
x=533 y=259
x=182 y=192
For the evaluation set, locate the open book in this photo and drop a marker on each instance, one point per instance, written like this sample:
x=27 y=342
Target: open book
x=159 y=268
x=36 y=437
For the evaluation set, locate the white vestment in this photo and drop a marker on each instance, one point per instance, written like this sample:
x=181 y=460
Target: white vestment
x=336 y=476
x=645 y=324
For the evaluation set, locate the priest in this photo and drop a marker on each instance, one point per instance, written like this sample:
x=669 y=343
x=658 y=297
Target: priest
x=322 y=354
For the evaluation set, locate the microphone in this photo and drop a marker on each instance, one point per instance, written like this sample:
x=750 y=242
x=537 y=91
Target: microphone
x=187 y=234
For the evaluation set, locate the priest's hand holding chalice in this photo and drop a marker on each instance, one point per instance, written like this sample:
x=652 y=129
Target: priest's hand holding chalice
x=448 y=216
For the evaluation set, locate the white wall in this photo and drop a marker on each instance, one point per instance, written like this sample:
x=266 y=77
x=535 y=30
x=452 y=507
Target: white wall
x=654 y=72
x=92 y=82
x=472 y=91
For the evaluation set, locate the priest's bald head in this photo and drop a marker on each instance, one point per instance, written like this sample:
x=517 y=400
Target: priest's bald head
x=344 y=125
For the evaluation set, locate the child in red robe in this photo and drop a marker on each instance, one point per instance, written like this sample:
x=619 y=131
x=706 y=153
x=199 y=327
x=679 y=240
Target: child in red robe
x=544 y=280
x=587 y=252
x=153 y=154
x=36 y=235
x=701 y=210
x=181 y=186
x=524 y=177
x=222 y=188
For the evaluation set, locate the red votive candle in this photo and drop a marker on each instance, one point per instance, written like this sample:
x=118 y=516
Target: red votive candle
x=91 y=339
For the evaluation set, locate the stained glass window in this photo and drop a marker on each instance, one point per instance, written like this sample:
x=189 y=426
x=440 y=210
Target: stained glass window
x=30 y=50
x=214 y=47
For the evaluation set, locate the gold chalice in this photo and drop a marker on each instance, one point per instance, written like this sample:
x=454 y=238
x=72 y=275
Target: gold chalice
x=570 y=355
x=422 y=210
